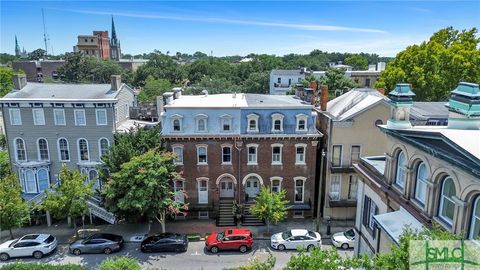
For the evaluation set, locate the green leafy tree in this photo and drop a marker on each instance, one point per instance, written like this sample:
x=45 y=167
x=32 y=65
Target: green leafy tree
x=69 y=199
x=435 y=67
x=270 y=206
x=357 y=62
x=14 y=211
x=256 y=264
x=37 y=54
x=7 y=59
x=143 y=187
x=257 y=82
x=119 y=263
x=153 y=88
x=79 y=68
x=103 y=69
x=4 y=164
x=325 y=259
x=6 y=81
x=335 y=79
x=159 y=66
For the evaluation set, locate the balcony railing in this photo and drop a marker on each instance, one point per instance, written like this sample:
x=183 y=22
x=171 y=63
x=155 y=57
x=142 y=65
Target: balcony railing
x=282 y=85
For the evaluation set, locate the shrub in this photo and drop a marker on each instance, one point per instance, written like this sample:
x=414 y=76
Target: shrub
x=119 y=263
x=41 y=266
x=258 y=265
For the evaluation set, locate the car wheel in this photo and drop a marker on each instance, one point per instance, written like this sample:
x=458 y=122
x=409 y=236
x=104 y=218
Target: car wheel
x=345 y=246
x=243 y=249
x=77 y=252
x=4 y=257
x=107 y=250
x=214 y=249
x=310 y=247
x=37 y=254
x=281 y=247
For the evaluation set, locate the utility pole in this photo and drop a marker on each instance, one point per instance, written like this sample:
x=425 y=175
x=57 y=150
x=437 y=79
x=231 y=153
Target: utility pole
x=44 y=34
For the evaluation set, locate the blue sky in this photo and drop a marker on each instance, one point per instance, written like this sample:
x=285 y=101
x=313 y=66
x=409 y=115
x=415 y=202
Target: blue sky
x=236 y=27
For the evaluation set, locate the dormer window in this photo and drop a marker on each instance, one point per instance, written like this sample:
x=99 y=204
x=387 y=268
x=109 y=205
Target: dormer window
x=176 y=123
x=252 y=122
x=226 y=123
x=201 y=122
x=301 y=122
x=277 y=122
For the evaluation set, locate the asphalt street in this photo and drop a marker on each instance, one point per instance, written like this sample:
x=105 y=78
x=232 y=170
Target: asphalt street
x=196 y=257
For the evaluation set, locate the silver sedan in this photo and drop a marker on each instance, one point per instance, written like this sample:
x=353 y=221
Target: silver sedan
x=97 y=243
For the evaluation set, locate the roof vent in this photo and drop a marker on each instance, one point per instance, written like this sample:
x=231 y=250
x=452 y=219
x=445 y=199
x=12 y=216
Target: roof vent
x=205 y=92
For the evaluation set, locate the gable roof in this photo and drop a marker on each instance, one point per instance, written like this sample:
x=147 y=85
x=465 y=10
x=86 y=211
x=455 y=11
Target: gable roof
x=354 y=102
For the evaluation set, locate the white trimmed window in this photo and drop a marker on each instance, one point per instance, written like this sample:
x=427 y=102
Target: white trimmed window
x=101 y=115
x=401 y=170
x=15 y=117
x=20 y=150
x=335 y=187
x=277 y=122
x=38 y=117
x=42 y=148
x=276 y=184
x=300 y=153
x=252 y=154
x=80 y=118
x=421 y=184
x=301 y=122
x=202 y=155
x=299 y=189
x=226 y=123
x=475 y=223
x=63 y=150
x=252 y=122
x=176 y=123
x=354 y=154
x=277 y=154
x=178 y=150
x=59 y=117
x=337 y=156
x=447 y=204
x=83 y=154
x=227 y=155
x=201 y=123
x=352 y=187
x=103 y=145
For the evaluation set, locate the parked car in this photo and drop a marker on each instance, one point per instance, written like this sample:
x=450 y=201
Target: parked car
x=97 y=243
x=344 y=240
x=230 y=239
x=294 y=239
x=165 y=242
x=36 y=245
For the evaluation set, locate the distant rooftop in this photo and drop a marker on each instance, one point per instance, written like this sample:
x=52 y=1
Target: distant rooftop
x=353 y=102
x=40 y=91
x=287 y=72
x=428 y=110
x=237 y=101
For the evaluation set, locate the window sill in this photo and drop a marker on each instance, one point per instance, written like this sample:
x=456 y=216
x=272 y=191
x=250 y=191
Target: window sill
x=277 y=164
x=301 y=131
x=102 y=125
x=202 y=164
x=444 y=223
x=251 y=163
x=252 y=131
x=178 y=164
x=64 y=161
x=227 y=163
x=301 y=163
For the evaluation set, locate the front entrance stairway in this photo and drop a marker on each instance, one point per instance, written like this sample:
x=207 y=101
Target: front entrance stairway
x=248 y=218
x=98 y=211
x=225 y=216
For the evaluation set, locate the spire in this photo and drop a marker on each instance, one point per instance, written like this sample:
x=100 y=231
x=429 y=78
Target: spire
x=17 y=48
x=114 y=34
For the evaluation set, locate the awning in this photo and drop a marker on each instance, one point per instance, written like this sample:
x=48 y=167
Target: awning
x=394 y=223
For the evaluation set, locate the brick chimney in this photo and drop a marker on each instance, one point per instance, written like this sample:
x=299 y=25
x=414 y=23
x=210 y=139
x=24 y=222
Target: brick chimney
x=381 y=90
x=313 y=85
x=116 y=82
x=323 y=97
x=19 y=81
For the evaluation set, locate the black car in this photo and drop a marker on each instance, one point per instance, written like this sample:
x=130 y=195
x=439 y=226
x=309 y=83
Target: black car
x=165 y=242
x=97 y=243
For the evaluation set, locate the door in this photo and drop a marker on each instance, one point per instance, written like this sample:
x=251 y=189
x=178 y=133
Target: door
x=178 y=190
x=252 y=187
x=202 y=191
x=226 y=188
x=21 y=249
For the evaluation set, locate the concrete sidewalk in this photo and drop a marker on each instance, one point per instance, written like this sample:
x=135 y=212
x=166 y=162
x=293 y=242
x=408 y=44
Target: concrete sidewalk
x=66 y=234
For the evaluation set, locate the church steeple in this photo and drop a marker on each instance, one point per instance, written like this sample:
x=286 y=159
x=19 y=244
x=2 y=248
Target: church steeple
x=17 y=48
x=114 y=34
x=115 y=51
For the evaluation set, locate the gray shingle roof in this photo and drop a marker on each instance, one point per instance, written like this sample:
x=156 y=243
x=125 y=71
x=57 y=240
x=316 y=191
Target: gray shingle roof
x=274 y=101
x=427 y=110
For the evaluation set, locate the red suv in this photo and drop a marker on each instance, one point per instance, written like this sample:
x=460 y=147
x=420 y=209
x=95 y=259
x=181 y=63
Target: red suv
x=232 y=239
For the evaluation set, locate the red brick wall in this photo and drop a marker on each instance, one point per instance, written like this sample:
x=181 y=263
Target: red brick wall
x=103 y=44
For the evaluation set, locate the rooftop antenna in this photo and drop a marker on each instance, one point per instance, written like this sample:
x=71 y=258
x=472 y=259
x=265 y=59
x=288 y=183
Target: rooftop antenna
x=44 y=34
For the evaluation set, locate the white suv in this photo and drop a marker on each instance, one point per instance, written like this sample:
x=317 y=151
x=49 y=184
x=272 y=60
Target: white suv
x=35 y=245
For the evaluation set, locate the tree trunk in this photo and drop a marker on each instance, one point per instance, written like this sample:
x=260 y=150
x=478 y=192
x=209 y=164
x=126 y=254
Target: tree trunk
x=163 y=226
x=11 y=233
x=75 y=227
x=268 y=226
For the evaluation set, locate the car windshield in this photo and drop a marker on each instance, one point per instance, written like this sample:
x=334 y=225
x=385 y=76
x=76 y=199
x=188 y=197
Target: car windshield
x=49 y=239
x=350 y=234
x=13 y=243
x=220 y=235
x=286 y=235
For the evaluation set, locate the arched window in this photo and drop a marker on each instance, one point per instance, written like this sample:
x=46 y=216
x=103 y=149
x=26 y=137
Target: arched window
x=30 y=184
x=21 y=152
x=92 y=175
x=83 y=150
x=421 y=184
x=277 y=120
x=43 y=149
x=176 y=125
x=103 y=145
x=401 y=170
x=447 y=205
x=475 y=224
x=64 y=152
x=42 y=176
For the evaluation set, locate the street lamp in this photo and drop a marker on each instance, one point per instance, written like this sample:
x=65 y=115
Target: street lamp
x=322 y=156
